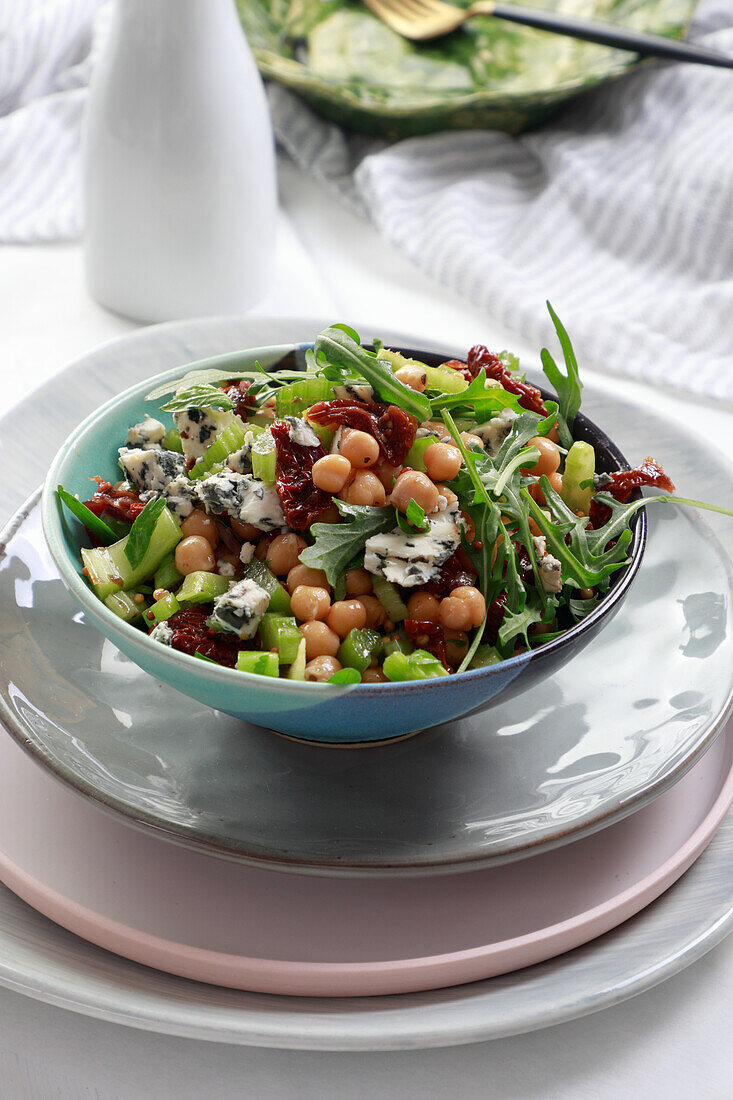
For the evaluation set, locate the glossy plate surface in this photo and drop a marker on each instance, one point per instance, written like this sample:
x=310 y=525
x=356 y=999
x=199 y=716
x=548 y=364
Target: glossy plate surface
x=249 y=929
x=491 y=74
x=619 y=724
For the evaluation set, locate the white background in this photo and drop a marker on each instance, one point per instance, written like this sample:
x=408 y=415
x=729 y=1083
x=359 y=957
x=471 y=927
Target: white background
x=673 y=1042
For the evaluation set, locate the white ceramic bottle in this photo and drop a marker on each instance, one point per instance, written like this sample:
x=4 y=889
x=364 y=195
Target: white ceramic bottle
x=179 y=165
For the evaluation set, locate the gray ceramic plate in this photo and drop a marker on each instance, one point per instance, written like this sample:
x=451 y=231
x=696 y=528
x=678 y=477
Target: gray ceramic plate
x=353 y=69
x=607 y=734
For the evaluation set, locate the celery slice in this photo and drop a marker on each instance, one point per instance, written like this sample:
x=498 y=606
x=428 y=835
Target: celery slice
x=484 y=656
x=281 y=633
x=163 y=609
x=324 y=434
x=264 y=458
x=358 y=648
x=257 y=571
x=201 y=587
x=101 y=571
x=124 y=606
x=419 y=665
x=226 y=443
x=173 y=442
x=580 y=465
x=292 y=399
x=297 y=668
x=390 y=599
x=165 y=535
x=263 y=664
x=397 y=643
x=167 y=575
x=415 y=459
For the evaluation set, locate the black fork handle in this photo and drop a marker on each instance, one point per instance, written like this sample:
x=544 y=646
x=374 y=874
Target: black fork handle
x=605 y=34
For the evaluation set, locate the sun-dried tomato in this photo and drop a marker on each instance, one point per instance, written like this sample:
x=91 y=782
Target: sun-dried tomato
x=460 y=367
x=621 y=482
x=192 y=635
x=121 y=503
x=453 y=574
x=480 y=358
x=428 y=636
x=302 y=503
x=494 y=619
x=237 y=392
x=524 y=561
x=393 y=428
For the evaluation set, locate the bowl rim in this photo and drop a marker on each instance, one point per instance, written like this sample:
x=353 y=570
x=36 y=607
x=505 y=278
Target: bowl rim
x=51 y=513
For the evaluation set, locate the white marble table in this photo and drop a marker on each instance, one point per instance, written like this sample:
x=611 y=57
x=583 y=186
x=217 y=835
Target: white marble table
x=671 y=1042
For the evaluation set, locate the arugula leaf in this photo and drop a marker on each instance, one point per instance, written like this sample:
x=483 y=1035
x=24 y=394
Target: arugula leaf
x=486 y=401
x=209 y=376
x=92 y=523
x=337 y=543
x=345 y=676
x=567 y=386
x=414 y=519
x=516 y=624
x=202 y=657
x=141 y=531
x=341 y=350
x=198 y=397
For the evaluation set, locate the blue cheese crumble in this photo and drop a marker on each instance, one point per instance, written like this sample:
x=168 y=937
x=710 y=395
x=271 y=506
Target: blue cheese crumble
x=410 y=560
x=239 y=611
x=241 y=461
x=162 y=634
x=159 y=473
x=243 y=497
x=496 y=430
x=198 y=428
x=357 y=391
x=301 y=433
x=549 y=566
x=147 y=435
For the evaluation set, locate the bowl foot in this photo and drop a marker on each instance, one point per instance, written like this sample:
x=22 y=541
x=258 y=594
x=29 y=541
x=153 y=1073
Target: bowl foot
x=344 y=744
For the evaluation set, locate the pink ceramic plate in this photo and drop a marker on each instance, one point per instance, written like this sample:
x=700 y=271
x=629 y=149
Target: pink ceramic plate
x=201 y=918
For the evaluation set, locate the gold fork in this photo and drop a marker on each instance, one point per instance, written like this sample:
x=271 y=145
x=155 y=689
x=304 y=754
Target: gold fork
x=423 y=19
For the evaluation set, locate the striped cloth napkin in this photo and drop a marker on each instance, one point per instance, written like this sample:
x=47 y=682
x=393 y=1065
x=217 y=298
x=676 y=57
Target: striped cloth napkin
x=620 y=211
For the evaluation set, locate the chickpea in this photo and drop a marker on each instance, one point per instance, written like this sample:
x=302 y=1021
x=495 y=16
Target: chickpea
x=366 y=488
x=437 y=427
x=229 y=565
x=308 y=603
x=535 y=490
x=198 y=523
x=542 y=628
x=194 y=553
x=386 y=473
x=263 y=546
x=360 y=448
x=534 y=529
x=330 y=515
x=469 y=526
x=456 y=646
x=322 y=668
x=245 y=531
x=444 y=491
x=358 y=582
x=442 y=462
x=424 y=607
x=455 y=614
x=320 y=640
x=373 y=676
x=412 y=485
x=586 y=593
x=472 y=441
x=284 y=552
x=376 y=616
x=474 y=600
x=346 y=615
x=412 y=376
x=331 y=473
x=303 y=574
x=549 y=459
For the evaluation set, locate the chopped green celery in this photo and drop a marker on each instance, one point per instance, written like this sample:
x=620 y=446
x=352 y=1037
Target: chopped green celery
x=419 y=665
x=297 y=668
x=280 y=632
x=260 y=422
x=292 y=399
x=201 y=587
x=257 y=571
x=172 y=441
x=345 y=676
x=438 y=379
x=415 y=459
x=485 y=655
x=264 y=664
x=390 y=599
x=264 y=458
x=324 y=434
x=358 y=648
x=123 y=605
x=397 y=643
x=226 y=443
x=166 y=575
x=163 y=609
x=580 y=465
x=108 y=568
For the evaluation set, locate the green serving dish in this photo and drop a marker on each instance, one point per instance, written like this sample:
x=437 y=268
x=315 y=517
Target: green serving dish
x=353 y=69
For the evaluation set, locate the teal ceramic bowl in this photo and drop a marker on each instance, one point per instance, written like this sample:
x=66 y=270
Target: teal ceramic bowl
x=342 y=714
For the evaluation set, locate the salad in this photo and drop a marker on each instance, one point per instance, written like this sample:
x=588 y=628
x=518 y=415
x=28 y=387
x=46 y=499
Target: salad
x=371 y=519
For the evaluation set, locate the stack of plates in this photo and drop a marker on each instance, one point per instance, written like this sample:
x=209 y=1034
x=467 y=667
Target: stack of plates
x=393 y=875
